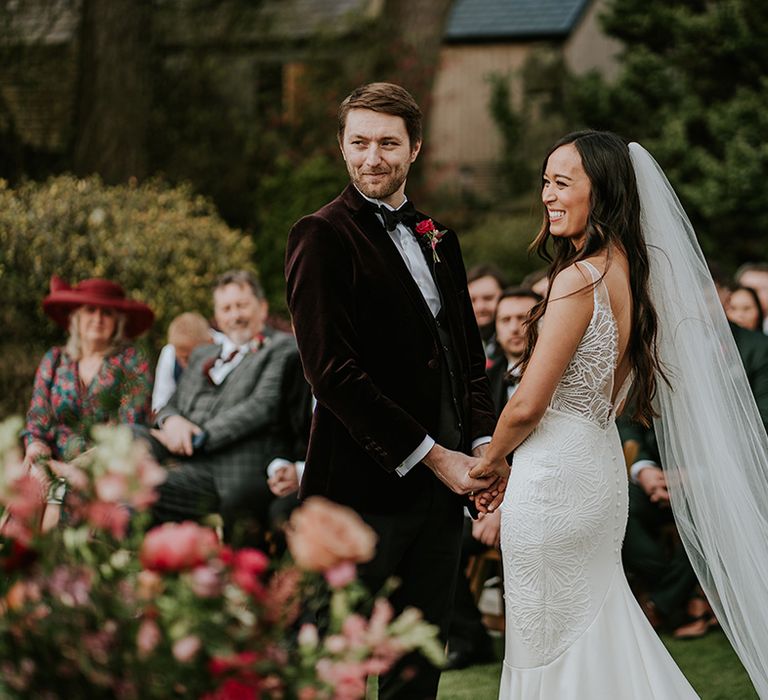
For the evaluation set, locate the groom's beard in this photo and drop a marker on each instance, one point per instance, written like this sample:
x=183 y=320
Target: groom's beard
x=390 y=180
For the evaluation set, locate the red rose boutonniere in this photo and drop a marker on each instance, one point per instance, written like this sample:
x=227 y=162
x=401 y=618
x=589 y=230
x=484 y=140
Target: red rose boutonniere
x=426 y=230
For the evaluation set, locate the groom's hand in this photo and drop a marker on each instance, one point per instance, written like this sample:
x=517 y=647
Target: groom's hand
x=452 y=468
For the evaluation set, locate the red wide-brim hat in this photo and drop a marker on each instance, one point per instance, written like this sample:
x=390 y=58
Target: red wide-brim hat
x=63 y=300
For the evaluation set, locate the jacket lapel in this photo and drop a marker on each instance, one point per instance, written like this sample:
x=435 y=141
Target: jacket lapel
x=249 y=367
x=368 y=223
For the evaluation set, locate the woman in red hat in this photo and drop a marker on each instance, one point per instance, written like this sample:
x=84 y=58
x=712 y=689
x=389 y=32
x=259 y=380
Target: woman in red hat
x=97 y=377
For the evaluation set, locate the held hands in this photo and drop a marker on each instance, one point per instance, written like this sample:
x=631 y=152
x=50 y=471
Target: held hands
x=176 y=435
x=453 y=469
x=497 y=470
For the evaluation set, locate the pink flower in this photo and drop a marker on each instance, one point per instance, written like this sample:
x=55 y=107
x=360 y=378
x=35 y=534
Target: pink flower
x=380 y=618
x=111 y=487
x=76 y=477
x=346 y=677
x=178 y=546
x=150 y=475
x=206 y=582
x=322 y=534
x=25 y=499
x=186 y=648
x=109 y=516
x=148 y=637
x=308 y=693
x=355 y=628
x=72 y=586
x=341 y=575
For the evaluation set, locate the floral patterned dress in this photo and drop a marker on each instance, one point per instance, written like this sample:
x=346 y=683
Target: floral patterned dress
x=63 y=410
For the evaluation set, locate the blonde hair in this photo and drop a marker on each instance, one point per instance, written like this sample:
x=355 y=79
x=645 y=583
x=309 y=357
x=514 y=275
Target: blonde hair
x=74 y=346
x=190 y=326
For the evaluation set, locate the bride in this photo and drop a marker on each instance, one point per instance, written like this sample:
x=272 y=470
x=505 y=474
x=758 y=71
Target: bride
x=631 y=317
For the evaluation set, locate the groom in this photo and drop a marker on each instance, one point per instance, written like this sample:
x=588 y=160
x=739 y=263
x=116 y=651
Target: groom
x=390 y=346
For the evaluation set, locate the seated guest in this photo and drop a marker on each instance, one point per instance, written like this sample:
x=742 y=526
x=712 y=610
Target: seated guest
x=468 y=640
x=755 y=276
x=185 y=333
x=744 y=308
x=673 y=597
x=484 y=283
x=96 y=377
x=221 y=425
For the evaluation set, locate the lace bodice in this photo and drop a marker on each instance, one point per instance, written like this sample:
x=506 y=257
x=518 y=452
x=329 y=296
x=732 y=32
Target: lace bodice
x=586 y=387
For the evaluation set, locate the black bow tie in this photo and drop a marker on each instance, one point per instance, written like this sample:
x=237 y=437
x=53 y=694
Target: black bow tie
x=404 y=215
x=510 y=379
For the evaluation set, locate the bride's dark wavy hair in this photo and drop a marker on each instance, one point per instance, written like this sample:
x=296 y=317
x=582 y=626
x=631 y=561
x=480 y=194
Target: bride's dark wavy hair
x=614 y=220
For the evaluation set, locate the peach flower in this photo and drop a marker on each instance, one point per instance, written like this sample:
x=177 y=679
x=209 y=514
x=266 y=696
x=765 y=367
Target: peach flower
x=322 y=534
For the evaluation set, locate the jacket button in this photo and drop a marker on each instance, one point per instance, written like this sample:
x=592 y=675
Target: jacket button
x=433 y=364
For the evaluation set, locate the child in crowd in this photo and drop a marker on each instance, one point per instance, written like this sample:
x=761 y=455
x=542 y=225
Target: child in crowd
x=185 y=333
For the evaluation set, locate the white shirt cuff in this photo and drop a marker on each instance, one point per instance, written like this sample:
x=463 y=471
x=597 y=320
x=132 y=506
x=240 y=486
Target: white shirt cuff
x=416 y=456
x=638 y=466
x=275 y=464
x=481 y=441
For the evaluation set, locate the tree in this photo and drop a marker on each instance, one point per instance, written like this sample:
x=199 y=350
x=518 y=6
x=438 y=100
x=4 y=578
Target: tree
x=113 y=94
x=694 y=75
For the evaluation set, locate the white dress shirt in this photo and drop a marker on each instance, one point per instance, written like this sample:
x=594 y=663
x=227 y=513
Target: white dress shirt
x=410 y=250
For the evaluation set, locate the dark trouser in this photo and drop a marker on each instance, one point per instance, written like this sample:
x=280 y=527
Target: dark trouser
x=189 y=492
x=668 y=575
x=420 y=547
x=467 y=632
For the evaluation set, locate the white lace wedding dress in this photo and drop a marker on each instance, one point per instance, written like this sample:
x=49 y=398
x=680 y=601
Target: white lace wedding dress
x=573 y=627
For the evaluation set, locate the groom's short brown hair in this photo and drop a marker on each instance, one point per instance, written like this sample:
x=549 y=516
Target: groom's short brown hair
x=387 y=98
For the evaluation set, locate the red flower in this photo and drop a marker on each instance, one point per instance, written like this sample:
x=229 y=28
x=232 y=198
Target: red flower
x=219 y=665
x=426 y=229
x=178 y=546
x=234 y=689
x=251 y=560
x=425 y=226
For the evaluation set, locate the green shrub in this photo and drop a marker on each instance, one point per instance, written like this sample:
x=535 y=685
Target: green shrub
x=164 y=245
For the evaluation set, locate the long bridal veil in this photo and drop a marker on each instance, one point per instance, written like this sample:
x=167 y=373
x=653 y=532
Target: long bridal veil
x=712 y=440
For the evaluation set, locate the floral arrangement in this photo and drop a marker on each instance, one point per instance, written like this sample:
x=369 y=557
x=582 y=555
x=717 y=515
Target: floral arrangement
x=98 y=607
x=427 y=230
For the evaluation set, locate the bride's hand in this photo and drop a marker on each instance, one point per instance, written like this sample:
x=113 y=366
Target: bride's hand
x=489 y=499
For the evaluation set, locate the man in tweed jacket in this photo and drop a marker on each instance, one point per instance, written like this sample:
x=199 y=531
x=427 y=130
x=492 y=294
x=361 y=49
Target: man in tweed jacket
x=222 y=424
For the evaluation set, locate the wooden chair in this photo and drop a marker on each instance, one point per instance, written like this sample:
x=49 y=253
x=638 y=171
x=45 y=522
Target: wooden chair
x=482 y=567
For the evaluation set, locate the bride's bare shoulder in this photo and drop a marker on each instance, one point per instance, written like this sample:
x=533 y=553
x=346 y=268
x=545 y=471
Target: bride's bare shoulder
x=571 y=281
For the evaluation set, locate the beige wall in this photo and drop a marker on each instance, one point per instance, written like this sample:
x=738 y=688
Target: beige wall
x=462 y=139
x=588 y=48
x=463 y=143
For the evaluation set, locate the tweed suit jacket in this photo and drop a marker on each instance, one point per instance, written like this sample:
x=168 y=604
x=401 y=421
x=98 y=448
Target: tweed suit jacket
x=371 y=352
x=243 y=426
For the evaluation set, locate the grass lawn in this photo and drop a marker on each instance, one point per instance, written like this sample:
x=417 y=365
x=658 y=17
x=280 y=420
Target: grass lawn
x=709 y=664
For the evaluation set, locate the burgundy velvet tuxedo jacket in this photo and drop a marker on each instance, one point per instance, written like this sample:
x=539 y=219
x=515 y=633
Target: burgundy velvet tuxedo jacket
x=370 y=350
